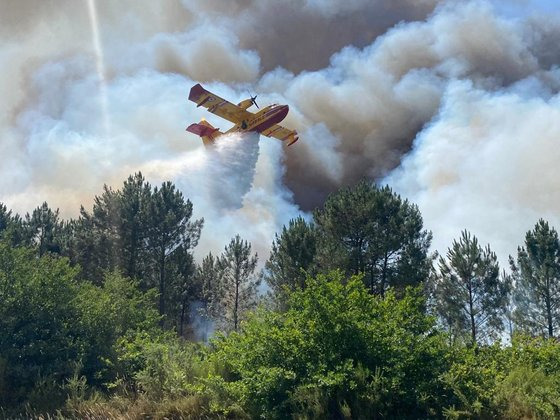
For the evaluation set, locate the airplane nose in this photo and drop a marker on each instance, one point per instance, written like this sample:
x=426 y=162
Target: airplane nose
x=283 y=111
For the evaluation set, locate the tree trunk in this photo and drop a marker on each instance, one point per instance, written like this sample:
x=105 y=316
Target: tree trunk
x=182 y=320
x=41 y=241
x=236 y=305
x=360 y=268
x=549 y=315
x=471 y=314
x=162 y=284
x=384 y=274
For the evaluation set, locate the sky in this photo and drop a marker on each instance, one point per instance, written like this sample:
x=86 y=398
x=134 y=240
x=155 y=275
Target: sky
x=522 y=8
x=454 y=104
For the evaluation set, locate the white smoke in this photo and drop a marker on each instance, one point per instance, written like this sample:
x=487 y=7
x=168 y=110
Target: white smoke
x=488 y=163
x=362 y=78
x=64 y=156
x=235 y=189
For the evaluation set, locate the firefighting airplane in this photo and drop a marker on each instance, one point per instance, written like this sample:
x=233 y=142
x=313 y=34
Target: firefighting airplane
x=264 y=122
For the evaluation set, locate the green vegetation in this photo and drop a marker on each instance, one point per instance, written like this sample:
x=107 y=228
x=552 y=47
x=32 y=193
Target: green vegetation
x=99 y=316
x=538 y=277
x=470 y=296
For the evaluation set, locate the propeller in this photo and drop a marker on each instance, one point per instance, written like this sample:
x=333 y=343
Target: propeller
x=254 y=101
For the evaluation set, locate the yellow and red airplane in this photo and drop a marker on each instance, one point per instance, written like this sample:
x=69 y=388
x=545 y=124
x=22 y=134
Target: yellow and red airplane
x=264 y=122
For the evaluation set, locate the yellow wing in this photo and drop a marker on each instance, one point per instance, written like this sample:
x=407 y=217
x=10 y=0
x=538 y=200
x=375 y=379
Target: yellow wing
x=281 y=133
x=217 y=105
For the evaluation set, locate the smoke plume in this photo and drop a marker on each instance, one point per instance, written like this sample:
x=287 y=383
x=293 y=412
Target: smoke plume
x=453 y=103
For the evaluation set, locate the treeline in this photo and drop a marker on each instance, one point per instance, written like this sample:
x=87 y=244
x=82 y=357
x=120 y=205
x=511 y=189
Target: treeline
x=98 y=315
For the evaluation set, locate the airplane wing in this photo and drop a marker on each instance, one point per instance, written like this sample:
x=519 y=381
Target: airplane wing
x=217 y=105
x=281 y=133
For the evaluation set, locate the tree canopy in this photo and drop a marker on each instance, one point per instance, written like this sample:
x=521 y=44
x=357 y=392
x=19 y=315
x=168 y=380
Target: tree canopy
x=372 y=230
x=471 y=297
x=100 y=315
x=537 y=274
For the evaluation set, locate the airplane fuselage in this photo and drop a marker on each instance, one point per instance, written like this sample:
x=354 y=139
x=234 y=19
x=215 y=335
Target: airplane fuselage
x=265 y=122
x=263 y=119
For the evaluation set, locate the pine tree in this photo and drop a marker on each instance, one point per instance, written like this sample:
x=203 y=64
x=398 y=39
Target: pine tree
x=184 y=286
x=292 y=257
x=209 y=274
x=346 y=227
x=96 y=237
x=12 y=228
x=371 y=230
x=212 y=293
x=17 y=233
x=471 y=298
x=44 y=229
x=169 y=228
x=5 y=218
x=133 y=206
x=234 y=291
x=537 y=277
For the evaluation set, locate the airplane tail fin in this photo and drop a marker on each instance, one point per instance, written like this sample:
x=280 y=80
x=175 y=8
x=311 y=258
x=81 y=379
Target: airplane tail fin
x=206 y=131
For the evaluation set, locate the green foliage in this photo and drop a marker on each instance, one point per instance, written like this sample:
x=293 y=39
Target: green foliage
x=50 y=324
x=337 y=349
x=132 y=208
x=110 y=315
x=230 y=284
x=44 y=229
x=472 y=379
x=536 y=352
x=86 y=341
x=471 y=297
x=169 y=228
x=185 y=288
x=5 y=218
x=292 y=258
x=537 y=276
x=170 y=369
x=96 y=244
x=147 y=234
x=371 y=230
x=528 y=393
x=518 y=381
x=40 y=336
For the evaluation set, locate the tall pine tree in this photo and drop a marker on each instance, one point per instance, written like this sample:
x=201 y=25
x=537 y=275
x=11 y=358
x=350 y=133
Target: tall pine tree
x=44 y=229
x=96 y=242
x=471 y=297
x=5 y=218
x=133 y=206
x=292 y=258
x=169 y=228
x=371 y=230
x=537 y=277
x=231 y=284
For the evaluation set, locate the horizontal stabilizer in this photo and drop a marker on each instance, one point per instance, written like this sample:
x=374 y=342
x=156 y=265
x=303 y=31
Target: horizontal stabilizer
x=201 y=130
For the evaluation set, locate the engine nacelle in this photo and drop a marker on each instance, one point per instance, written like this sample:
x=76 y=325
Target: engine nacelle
x=245 y=104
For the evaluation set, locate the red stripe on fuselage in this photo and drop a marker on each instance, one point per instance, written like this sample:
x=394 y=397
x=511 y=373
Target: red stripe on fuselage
x=275 y=118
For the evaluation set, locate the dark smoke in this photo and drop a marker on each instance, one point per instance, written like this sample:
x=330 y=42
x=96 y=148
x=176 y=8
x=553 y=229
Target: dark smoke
x=372 y=86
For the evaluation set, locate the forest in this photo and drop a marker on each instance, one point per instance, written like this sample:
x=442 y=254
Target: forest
x=352 y=316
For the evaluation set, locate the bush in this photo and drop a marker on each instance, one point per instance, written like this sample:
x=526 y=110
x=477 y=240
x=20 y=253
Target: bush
x=53 y=327
x=337 y=351
x=41 y=338
x=528 y=393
